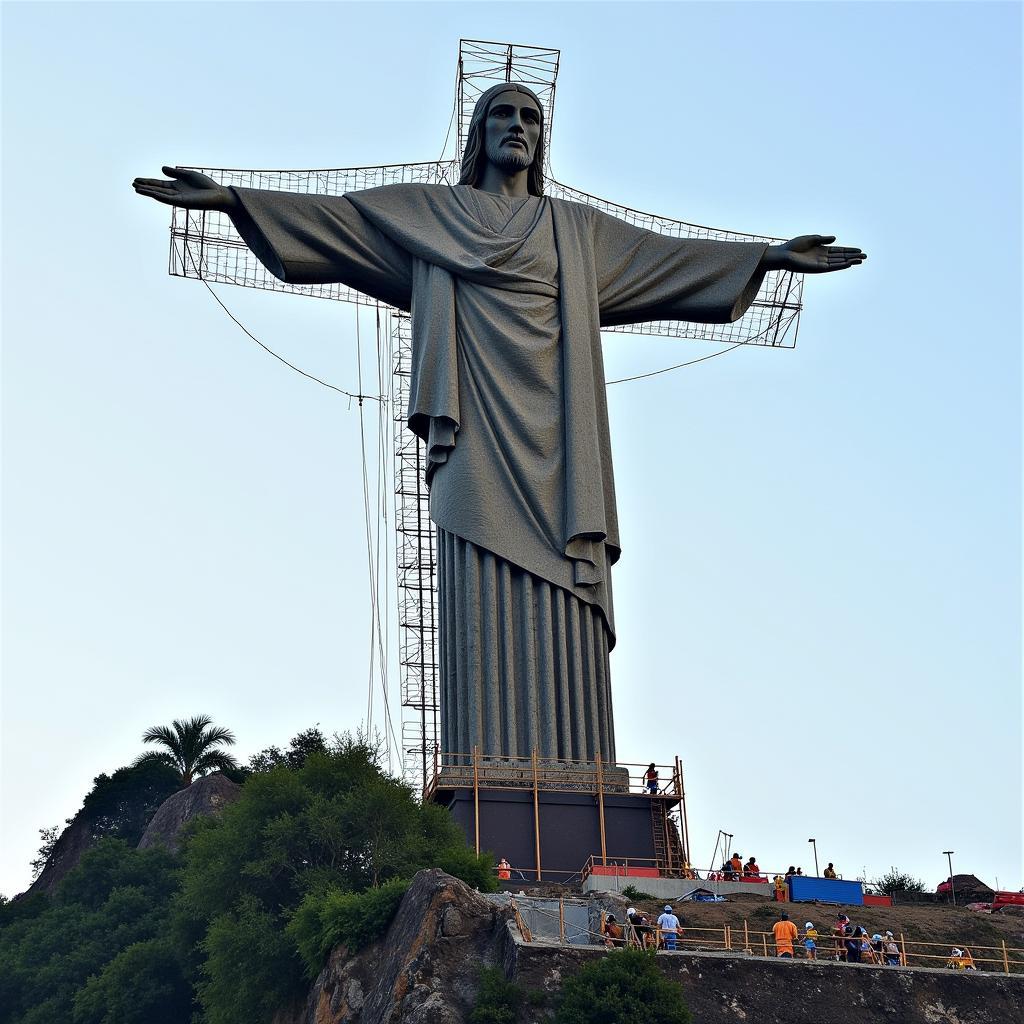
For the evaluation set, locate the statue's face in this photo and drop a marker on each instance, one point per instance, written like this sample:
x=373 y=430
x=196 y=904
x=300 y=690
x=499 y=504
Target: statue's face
x=512 y=131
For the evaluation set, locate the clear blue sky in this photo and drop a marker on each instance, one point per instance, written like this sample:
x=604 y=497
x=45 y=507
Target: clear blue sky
x=820 y=593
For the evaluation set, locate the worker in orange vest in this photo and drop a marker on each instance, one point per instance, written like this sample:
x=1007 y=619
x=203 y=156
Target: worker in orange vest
x=504 y=870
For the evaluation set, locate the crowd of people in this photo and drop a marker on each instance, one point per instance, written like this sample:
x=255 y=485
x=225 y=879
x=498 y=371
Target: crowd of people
x=736 y=869
x=847 y=942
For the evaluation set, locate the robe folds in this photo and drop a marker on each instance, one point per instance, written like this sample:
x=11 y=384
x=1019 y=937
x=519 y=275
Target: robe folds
x=508 y=296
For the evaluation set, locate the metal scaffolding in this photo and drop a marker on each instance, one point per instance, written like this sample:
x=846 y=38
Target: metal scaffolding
x=206 y=246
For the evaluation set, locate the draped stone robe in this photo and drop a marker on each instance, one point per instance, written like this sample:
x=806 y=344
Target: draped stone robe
x=507 y=297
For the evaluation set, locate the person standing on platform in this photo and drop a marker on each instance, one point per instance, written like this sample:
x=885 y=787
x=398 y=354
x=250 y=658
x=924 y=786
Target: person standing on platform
x=829 y=872
x=785 y=935
x=839 y=931
x=811 y=940
x=735 y=867
x=780 y=889
x=651 y=778
x=668 y=925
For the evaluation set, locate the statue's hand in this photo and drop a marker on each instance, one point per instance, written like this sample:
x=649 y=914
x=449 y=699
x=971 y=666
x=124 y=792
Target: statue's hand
x=812 y=254
x=190 y=189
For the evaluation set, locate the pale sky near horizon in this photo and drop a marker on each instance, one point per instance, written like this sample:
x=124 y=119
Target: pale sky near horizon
x=818 y=603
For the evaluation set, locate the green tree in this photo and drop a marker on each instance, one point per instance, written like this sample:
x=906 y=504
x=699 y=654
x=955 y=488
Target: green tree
x=144 y=984
x=193 y=747
x=114 y=898
x=621 y=986
x=294 y=844
x=897 y=883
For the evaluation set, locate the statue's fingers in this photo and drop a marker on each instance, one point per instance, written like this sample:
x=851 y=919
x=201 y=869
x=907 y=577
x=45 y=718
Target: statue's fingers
x=154 y=182
x=824 y=239
x=174 y=172
x=156 y=193
x=847 y=250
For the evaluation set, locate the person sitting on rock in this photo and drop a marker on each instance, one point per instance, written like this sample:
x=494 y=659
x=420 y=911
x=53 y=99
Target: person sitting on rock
x=891 y=950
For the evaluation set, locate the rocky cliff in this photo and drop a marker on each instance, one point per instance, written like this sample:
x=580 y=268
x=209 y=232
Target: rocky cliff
x=426 y=971
x=205 y=796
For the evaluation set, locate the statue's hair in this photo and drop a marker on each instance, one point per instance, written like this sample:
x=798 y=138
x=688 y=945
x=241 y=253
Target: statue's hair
x=475 y=156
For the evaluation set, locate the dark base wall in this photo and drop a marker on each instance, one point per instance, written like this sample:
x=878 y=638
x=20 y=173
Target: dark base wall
x=722 y=988
x=569 y=828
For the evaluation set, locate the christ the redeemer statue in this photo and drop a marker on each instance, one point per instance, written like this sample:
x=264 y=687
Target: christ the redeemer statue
x=508 y=291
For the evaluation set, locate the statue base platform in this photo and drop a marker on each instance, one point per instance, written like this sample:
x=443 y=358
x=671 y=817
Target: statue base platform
x=562 y=822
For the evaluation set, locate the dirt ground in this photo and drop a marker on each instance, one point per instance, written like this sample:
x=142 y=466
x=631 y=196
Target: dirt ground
x=944 y=925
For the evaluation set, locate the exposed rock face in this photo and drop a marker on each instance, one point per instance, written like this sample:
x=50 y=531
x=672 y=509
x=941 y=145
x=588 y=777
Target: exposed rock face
x=426 y=970
x=67 y=852
x=205 y=796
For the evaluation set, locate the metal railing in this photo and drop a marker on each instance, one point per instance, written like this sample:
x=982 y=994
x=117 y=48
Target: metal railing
x=526 y=773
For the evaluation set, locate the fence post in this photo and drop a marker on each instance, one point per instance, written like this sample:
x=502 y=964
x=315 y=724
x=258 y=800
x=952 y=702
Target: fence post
x=476 y=796
x=746 y=936
x=561 y=920
x=764 y=940
x=728 y=937
x=1006 y=959
x=903 y=950
x=536 y=815
x=600 y=807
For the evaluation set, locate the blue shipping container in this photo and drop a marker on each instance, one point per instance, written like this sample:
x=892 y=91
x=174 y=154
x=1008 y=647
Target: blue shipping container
x=825 y=890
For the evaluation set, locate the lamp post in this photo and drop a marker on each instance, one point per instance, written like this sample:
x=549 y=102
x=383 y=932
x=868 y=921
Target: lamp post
x=952 y=889
x=814 y=843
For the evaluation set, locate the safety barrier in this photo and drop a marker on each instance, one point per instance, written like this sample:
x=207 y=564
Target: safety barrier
x=829 y=947
x=478 y=768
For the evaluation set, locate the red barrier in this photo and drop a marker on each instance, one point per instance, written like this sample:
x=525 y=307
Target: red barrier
x=877 y=901
x=618 y=870
x=1007 y=899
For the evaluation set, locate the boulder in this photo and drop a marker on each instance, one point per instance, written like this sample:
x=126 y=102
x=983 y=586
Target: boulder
x=67 y=852
x=425 y=971
x=205 y=796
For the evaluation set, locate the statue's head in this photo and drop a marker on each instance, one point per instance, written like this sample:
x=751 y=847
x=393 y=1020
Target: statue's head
x=507 y=130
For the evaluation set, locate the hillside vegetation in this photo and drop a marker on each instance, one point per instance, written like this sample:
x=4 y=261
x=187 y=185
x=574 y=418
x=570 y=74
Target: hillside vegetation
x=316 y=850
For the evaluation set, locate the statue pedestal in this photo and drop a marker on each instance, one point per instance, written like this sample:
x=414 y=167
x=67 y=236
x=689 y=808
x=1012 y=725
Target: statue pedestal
x=558 y=822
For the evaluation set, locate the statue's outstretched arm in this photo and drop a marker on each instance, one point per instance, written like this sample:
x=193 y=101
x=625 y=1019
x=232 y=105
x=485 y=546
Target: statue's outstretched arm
x=811 y=254
x=191 y=189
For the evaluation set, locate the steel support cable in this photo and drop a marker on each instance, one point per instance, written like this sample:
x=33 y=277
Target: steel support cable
x=266 y=348
x=372 y=566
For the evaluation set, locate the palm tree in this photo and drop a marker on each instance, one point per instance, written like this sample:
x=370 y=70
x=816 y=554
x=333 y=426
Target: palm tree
x=192 y=747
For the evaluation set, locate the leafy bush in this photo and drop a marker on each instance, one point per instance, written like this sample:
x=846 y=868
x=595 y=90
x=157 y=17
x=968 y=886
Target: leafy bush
x=498 y=1000
x=625 y=985
x=332 y=917
x=251 y=968
x=896 y=883
x=631 y=892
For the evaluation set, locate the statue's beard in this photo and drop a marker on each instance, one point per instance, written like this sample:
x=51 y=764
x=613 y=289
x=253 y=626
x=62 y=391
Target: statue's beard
x=508 y=159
